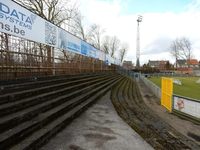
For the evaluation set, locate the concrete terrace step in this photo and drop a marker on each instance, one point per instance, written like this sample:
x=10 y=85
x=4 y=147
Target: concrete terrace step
x=11 y=107
x=40 y=137
x=38 y=83
x=42 y=78
x=29 y=92
x=10 y=121
x=68 y=109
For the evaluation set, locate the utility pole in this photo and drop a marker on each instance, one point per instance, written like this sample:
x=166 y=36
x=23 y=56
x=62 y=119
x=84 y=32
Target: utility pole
x=138 y=42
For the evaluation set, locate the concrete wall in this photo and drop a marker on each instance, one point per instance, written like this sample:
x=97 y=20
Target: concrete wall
x=154 y=88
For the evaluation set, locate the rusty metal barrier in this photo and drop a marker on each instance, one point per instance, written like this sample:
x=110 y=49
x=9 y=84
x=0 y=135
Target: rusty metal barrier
x=23 y=58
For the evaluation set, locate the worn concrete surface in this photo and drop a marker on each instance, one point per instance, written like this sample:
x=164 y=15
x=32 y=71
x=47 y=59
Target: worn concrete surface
x=99 y=128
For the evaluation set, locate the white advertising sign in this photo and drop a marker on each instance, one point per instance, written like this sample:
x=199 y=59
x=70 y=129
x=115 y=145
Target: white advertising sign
x=100 y=55
x=18 y=21
x=187 y=106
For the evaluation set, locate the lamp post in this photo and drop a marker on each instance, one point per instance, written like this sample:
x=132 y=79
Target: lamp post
x=139 y=19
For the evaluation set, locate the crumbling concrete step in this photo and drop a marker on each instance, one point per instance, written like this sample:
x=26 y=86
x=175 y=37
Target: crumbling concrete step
x=30 y=92
x=12 y=137
x=12 y=107
x=28 y=113
x=38 y=83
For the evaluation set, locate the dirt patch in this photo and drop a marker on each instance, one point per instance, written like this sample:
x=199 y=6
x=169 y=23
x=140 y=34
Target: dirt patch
x=102 y=129
x=194 y=136
x=75 y=147
x=94 y=120
x=155 y=130
x=99 y=139
x=109 y=121
x=95 y=112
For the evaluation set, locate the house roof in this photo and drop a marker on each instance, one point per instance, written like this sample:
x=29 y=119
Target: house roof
x=157 y=62
x=127 y=62
x=184 y=62
x=193 y=62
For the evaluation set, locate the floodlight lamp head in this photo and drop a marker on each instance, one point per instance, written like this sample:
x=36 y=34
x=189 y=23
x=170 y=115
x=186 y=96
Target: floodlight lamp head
x=139 y=18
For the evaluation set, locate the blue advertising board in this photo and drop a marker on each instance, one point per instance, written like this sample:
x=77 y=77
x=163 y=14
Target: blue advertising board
x=84 y=48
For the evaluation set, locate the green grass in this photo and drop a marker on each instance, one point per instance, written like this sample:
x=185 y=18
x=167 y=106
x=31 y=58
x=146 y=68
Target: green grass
x=189 y=87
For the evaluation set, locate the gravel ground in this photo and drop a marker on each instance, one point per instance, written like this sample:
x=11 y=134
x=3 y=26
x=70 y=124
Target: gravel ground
x=98 y=128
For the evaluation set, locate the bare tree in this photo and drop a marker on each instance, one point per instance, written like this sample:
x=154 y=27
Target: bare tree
x=110 y=45
x=5 y=48
x=123 y=50
x=114 y=45
x=95 y=35
x=175 y=50
x=79 y=28
x=55 y=11
x=106 y=44
x=185 y=47
x=181 y=48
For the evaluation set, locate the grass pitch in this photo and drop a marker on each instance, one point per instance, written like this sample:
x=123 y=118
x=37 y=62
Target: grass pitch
x=189 y=87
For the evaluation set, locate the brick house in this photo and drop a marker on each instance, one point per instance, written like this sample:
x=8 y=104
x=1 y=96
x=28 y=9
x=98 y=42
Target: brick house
x=158 y=64
x=183 y=63
x=187 y=66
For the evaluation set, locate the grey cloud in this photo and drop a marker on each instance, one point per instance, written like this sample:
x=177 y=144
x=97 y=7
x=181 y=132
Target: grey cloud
x=159 y=45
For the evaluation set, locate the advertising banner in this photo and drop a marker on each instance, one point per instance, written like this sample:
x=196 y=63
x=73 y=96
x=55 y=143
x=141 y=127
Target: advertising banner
x=68 y=42
x=187 y=106
x=84 y=48
x=108 y=59
x=73 y=43
x=92 y=52
x=18 y=21
x=100 y=55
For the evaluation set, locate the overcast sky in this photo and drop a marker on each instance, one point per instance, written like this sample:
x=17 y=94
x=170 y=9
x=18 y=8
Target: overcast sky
x=163 y=21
